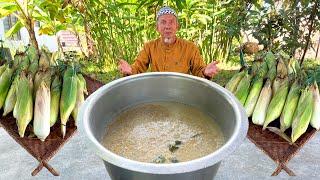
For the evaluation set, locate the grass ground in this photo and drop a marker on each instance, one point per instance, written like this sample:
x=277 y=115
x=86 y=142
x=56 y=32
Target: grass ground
x=108 y=72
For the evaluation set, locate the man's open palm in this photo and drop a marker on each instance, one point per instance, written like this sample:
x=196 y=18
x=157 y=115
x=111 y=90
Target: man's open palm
x=124 y=67
x=211 y=69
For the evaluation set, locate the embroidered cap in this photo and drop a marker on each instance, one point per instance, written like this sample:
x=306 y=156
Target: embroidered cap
x=166 y=10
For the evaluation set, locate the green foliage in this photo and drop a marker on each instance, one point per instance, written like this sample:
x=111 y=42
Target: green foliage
x=120 y=27
x=283 y=24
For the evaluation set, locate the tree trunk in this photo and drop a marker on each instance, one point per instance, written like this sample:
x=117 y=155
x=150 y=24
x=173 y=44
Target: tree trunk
x=32 y=35
x=311 y=21
x=296 y=24
x=317 y=49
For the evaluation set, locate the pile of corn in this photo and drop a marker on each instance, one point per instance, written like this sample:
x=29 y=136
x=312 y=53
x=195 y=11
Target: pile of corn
x=39 y=92
x=276 y=89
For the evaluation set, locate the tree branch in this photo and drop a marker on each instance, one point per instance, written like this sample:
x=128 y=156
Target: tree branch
x=311 y=21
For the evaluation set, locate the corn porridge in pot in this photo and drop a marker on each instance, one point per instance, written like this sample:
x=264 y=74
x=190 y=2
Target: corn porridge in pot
x=163 y=132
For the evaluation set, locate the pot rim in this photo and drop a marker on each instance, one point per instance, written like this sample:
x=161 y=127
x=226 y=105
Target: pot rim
x=240 y=131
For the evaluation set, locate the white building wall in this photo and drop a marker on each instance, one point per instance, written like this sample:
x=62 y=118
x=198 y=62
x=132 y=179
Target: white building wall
x=49 y=41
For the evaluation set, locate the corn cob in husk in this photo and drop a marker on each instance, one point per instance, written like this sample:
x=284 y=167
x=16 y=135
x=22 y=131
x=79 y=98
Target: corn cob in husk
x=3 y=68
x=23 y=109
x=5 y=83
x=41 y=121
x=293 y=66
x=255 y=66
x=18 y=57
x=260 y=110
x=277 y=103
x=253 y=96
x=80 y=100
x=68 y=97
x=243 y=88
x=262 y=71
x=276 y=84
x=282 y=73
x=32 y=54
x=234 y=81
x=33 y=68
x=270 y=59
x=282 y=70
x=290 y=106
x=315 y=119
x=39 y=77
x=24 y=64
x=84 y=82
x=55 y=99
x=303 y=115
x=44 y=61
x=11 y=97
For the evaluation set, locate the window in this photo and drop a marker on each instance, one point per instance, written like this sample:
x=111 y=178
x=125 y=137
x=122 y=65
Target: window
x=8 y=22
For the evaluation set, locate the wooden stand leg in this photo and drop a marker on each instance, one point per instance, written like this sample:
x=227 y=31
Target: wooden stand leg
x=44 y=164
x=51 y=169
x=285 y=168
x=277 y=171
x=37 y=170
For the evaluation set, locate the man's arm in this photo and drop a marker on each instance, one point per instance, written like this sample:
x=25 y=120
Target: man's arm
x=197 y=66
x=141 y=64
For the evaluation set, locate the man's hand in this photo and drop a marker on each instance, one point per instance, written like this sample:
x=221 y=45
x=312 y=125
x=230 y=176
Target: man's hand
x=124 y=67
x=211 y=69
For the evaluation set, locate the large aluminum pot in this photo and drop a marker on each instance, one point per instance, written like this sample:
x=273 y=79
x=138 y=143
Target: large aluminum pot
x=108 y=101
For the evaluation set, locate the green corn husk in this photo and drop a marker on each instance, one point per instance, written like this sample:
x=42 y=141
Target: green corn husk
x=276 y=84
x=234 y=81
x=84 y=82
x=302 y=115
x=290 y=106
x=44 y=61
x=5 y=83
x=243 y=88
x=270 y=59
x=39 y=77
x=284 y=55
x=23 y=109
x=24 y=64
x=41 y=121
x=3 y=68
x=32 y=54
x=68 y=97
x=315 y=119
x=80 y=100
x=293 y=66
x=263 y=70
x=55 y=99
x=282 y=70
x=11 y=97
x=256 y=65
x=272 y=73
x=33 y=68
x=260 y=110
x=253 y=96
x=281 y=134
x=17 y=60
x=277 y=103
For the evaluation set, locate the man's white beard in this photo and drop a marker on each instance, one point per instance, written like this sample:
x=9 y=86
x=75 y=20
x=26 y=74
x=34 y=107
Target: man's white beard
x=168 y=40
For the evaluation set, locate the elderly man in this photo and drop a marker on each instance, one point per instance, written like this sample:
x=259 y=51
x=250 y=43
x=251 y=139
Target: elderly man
x=169 y=53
